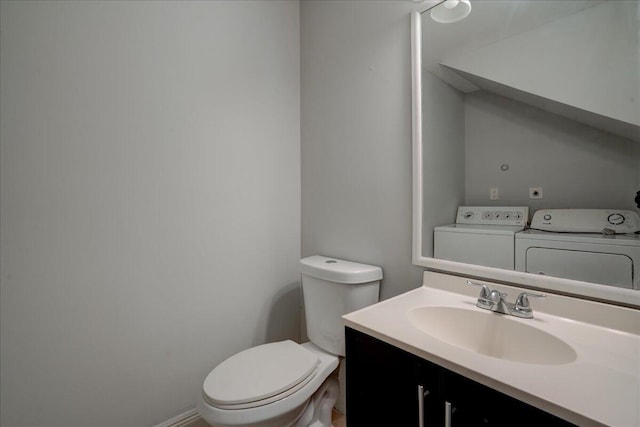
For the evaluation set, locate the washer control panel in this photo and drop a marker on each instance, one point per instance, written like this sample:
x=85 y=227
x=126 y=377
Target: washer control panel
x=586 y=221
x=493 y=215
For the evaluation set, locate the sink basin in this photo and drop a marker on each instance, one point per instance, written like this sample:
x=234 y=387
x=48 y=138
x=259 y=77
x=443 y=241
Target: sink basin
x=492 y=334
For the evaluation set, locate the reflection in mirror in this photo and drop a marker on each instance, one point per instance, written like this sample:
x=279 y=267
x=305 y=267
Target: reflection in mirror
x=532 y=105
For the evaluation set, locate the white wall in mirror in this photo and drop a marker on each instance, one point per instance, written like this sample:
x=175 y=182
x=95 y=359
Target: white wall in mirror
x=543 y=142
x=595 y=48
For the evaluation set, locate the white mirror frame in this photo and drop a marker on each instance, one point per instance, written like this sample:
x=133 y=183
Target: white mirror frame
x=592 y=291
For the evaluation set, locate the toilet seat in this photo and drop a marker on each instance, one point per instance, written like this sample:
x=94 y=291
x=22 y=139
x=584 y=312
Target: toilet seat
x=260 y=375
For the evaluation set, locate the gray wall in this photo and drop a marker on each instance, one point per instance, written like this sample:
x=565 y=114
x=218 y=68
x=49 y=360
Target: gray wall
x=356 y=135
x=443 y=156
x=150 y=201
x=578 y=166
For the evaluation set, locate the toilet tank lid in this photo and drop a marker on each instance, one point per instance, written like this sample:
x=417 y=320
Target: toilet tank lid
x=340 y=271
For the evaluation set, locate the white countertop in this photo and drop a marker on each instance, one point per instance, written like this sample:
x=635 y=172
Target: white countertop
x=601 y=387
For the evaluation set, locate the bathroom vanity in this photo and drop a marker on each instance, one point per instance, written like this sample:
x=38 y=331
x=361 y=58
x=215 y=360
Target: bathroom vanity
x=389 y=386
x=431 y=357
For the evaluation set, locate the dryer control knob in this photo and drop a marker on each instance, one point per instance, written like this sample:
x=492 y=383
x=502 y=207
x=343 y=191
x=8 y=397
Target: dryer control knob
x=547 y=217
x=616 y=219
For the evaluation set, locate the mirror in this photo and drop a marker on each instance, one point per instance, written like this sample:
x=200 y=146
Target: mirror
x=521 y=95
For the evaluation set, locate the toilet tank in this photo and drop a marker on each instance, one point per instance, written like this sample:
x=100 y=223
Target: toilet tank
x=332 y=288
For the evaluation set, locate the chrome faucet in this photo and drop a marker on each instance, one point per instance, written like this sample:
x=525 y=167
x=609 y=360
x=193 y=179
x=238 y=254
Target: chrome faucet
x=495 y=301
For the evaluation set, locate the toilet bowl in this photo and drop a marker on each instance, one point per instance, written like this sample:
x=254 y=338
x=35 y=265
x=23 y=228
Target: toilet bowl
x=285 y=384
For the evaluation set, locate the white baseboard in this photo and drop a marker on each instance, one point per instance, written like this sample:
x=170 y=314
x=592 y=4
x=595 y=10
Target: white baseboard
x=190 y=418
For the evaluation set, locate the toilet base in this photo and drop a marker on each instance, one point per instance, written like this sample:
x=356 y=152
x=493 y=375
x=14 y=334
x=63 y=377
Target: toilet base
x=318 y=411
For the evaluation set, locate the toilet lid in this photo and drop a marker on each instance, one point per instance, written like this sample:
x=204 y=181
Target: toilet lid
x=260 y=373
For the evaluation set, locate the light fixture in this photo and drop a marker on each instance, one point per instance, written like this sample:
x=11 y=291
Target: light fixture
x=451 y=11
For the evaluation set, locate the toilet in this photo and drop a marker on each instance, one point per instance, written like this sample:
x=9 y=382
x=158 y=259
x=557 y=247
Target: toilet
x=284 y=384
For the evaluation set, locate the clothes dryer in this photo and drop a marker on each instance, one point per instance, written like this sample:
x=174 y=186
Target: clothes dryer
x=610 y=259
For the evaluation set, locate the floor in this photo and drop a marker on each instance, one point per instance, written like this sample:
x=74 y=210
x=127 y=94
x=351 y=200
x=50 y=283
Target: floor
x=338 y=419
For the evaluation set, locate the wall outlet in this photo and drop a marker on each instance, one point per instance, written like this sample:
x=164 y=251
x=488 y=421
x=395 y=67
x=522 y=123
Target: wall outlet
x=535 y=193
x=493 y=194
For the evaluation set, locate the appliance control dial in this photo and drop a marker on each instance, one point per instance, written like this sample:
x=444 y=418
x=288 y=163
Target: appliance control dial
x=616 y=219
x=547 y=217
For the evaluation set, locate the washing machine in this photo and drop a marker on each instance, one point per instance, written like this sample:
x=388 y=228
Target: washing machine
x=591 y=245
x=481 y=235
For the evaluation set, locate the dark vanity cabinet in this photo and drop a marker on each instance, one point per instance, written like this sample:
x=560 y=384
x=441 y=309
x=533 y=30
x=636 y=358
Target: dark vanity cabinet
x=382 y=383
x=387 y=386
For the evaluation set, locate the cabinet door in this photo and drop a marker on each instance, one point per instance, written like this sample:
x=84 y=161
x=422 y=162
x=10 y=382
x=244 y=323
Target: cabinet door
x=382 y=389
x=472 y=404
x=429 y=377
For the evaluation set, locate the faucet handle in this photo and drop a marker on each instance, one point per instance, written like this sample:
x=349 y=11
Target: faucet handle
x=484 y=292
x=486 y=297
x=522 y=302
